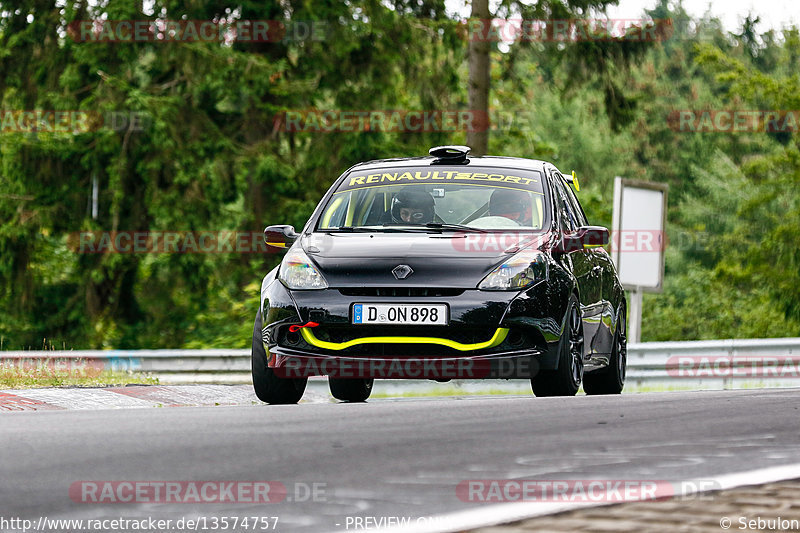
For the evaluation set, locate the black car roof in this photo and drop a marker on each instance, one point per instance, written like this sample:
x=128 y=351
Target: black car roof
x=484 y=161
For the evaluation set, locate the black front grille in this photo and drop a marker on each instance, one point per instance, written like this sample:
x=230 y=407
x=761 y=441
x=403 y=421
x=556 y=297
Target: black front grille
x=400 y=291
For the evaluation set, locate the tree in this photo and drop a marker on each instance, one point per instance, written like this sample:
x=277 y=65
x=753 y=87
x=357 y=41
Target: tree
x=479 y=75
x=594 y=56
x=212 y=154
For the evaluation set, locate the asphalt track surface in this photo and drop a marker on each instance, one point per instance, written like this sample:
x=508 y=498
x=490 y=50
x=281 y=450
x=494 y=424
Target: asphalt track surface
x=385 y=458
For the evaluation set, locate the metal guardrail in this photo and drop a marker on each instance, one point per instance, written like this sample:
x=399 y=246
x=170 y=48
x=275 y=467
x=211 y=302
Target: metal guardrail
x=217 y=361
x=716 y=363
x=711 y=364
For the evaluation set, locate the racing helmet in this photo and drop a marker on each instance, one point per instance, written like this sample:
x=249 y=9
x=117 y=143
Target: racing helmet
x=515 y=205
x=417 y=204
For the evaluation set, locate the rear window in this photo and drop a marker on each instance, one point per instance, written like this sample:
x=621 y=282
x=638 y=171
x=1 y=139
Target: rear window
x=481 y=198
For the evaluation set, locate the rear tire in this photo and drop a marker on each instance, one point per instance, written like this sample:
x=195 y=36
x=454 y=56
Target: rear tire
x=270 y=388
x=350 y=390
x=611 y=379
x=566 y=379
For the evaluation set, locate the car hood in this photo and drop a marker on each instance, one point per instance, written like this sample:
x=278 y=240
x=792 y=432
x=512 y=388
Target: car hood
x=446 y=260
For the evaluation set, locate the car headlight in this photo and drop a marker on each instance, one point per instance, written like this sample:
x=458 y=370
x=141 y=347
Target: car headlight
x=520 y=271
x=298 y=272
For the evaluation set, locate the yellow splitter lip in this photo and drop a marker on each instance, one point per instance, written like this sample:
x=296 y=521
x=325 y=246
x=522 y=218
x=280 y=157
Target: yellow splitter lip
x=498 y=337
x=406 y=314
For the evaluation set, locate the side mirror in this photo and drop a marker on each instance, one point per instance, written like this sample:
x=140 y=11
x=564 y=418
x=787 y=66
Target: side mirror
x=593 y=236
x=279 y=237
x=584 y=237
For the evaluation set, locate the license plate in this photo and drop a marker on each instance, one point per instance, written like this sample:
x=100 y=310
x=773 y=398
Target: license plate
x=429 y=314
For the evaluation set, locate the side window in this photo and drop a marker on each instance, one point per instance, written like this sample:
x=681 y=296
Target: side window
x=569 y=220
x=576 y=205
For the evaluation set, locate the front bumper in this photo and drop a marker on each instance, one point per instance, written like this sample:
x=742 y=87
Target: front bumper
x=490 y=335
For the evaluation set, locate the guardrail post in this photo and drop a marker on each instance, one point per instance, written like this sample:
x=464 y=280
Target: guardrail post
x=635 y=316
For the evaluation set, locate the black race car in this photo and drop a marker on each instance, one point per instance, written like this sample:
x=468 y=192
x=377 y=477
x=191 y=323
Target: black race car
x=442 y=267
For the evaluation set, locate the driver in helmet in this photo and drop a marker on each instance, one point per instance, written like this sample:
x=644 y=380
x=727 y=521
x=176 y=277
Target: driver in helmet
x=511 y=204
x=412 y=207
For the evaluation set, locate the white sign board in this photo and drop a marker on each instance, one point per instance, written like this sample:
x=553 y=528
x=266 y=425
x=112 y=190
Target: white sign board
x=638 y=238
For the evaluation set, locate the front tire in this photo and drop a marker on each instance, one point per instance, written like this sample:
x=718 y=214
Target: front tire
x=611 y=379
x=350 y=390
x=566 y=379
x=268 y=387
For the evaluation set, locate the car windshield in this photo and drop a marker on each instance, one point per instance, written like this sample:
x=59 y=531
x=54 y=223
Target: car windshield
x=436 y=197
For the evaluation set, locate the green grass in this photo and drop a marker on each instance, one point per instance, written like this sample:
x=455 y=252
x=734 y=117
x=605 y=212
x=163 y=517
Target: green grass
x=78 y=375
x=736 y=384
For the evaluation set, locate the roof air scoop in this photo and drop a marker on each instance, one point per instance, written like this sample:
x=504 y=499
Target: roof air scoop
x=449 y=154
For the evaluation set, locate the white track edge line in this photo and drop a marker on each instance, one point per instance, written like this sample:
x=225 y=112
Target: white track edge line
x=511 y=512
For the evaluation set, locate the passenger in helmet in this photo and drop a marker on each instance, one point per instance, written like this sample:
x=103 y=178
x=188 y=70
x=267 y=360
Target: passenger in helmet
x=511 y=204
x=412 y=207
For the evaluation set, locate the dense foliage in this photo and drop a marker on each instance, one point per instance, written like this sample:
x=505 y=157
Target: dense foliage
x=211 y=153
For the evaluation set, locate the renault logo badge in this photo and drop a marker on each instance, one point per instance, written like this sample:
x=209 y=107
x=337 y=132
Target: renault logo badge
x=402 y=271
